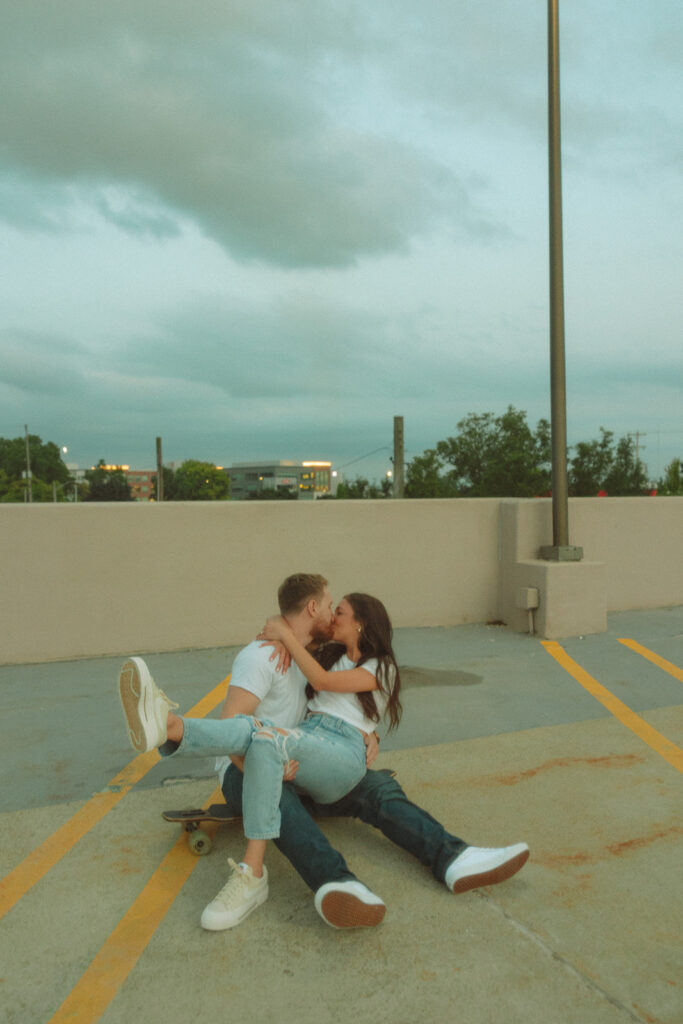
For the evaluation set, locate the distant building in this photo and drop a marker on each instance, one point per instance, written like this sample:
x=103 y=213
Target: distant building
x=309 y=479
x=140 y=481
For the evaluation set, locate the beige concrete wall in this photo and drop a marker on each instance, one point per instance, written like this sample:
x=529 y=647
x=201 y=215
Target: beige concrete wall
x=96 y=579
x=641 y=542
x=117 y=578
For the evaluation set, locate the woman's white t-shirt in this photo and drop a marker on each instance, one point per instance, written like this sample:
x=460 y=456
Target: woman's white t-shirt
x=346 y=705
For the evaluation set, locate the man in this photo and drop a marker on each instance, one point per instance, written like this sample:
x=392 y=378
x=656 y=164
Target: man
x=257 y=688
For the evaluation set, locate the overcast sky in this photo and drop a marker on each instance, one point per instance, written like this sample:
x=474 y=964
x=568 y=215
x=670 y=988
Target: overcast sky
x=262 y=228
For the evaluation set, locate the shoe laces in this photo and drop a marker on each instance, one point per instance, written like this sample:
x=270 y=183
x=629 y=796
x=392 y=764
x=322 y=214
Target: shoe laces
x=234 y=887
x=160 y=693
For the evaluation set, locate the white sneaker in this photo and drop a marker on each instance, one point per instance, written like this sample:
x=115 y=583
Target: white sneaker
x=480 y=865
x=241 y=894
x=144 y=705
x=349 y=905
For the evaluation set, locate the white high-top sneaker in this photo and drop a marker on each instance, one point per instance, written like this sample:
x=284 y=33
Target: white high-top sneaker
x=145 y=706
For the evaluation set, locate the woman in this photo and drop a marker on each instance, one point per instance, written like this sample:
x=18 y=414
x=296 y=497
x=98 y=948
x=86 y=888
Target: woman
x=354 y=681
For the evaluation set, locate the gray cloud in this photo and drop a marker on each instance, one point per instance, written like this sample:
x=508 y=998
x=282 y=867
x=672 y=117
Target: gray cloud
x=218 y=116
x=41 y=364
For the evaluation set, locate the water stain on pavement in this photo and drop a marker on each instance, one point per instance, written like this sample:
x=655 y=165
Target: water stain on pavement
x=412 y=677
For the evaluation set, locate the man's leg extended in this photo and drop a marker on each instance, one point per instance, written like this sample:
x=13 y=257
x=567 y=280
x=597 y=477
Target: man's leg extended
x=379 y=800
x=340 y=899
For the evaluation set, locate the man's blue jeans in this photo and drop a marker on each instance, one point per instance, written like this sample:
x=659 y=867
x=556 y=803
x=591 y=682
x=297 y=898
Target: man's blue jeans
x=331 y=752
x=378 y=800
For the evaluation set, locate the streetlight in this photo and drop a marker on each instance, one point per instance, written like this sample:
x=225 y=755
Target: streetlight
x=560 y=550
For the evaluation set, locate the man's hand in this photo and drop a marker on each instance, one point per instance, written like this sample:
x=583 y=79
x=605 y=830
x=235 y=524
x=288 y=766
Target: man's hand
x=290 y=770
x=371 y=749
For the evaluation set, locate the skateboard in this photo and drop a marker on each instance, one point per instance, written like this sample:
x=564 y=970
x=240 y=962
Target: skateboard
x=191 y=818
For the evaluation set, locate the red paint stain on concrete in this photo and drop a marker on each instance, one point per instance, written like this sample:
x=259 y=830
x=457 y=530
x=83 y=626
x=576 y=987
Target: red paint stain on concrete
x=561 y=861
x=611 y=761
x=619 y=849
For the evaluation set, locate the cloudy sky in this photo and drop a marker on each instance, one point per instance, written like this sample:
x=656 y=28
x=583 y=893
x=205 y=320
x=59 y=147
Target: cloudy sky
x=262 y=228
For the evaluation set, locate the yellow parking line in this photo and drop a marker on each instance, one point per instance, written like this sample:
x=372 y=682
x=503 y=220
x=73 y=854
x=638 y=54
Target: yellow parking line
x=664 y=747
x=22 y=878
x=96 y=988
x=667 y=666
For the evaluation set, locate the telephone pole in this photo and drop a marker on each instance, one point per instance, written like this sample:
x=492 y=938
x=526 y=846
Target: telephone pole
x=398 y=457
x=160 y=472
x=28 y=465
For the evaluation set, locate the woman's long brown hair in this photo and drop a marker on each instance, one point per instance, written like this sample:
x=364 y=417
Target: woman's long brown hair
x=374 y=641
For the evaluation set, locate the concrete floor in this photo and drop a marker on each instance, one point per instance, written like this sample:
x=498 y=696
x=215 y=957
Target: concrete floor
x=499 y=741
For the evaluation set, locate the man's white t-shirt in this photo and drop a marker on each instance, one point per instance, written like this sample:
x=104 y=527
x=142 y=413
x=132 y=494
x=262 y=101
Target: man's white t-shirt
x=282 y=698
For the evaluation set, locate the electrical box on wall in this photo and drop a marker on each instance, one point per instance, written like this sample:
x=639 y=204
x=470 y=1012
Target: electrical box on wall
x=527 y=597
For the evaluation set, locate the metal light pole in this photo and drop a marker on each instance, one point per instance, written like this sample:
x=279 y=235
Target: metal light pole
x=560 y=550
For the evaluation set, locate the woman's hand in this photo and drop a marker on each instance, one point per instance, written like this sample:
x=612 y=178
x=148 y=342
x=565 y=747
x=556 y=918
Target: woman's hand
x=284 y=658
x=275 y=628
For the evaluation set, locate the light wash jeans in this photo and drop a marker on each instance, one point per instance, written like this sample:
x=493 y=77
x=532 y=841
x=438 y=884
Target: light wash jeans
x=330 y=752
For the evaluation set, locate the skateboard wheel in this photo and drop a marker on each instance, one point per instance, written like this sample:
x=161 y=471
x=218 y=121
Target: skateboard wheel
x=199 y=843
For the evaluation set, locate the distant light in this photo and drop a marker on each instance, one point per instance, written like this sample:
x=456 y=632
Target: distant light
x=322 y=465
x=389 y=473
x=334 y=472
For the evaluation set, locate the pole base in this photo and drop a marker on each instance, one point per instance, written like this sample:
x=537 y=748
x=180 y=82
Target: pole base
x=561 y=553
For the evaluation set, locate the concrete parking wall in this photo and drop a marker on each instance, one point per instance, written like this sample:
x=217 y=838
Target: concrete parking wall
x=93 y=579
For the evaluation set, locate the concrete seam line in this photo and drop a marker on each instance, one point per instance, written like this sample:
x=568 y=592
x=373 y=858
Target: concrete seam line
x=655 y=740
x=559 y=958
x=36 y=864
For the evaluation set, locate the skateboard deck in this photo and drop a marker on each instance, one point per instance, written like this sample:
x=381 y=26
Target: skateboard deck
x=191 y=818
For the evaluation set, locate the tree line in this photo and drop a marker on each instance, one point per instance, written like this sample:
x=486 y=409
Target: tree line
x=488 y=457
x=52 y=481
x=503 y=457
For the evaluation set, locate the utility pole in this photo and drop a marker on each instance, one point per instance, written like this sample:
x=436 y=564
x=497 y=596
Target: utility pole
x=398 y=456
x=160 y=472
x=637 y=435
x=560 y=550
x=28 y=465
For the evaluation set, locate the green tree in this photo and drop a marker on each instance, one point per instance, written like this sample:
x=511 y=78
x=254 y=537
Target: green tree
x=46 y=467
x=361 y=487
x=498 y=456
x=107 y=484
x=200 y=481
x=425 y=477
x=169 y=484
x=281 y=493
x=591 y=464
x=603 y=466
x=627 y=475
x=671 y=483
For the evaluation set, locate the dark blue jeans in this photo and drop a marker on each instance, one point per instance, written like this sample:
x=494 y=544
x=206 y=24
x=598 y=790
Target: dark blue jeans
x=377 y=800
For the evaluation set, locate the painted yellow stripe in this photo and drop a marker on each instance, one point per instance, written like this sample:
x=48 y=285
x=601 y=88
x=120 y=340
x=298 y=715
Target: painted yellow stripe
x=667 y=666
x=22 y=878
x=664 y=747
x=91 y=996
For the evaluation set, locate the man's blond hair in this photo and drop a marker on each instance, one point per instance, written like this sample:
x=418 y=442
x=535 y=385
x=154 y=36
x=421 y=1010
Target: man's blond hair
x=296 y=591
